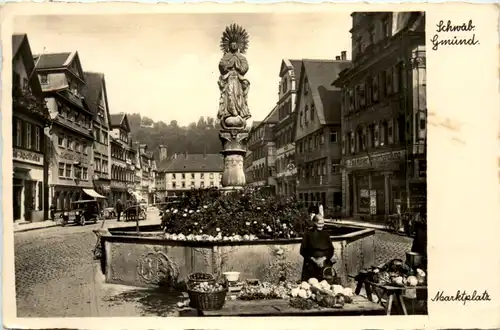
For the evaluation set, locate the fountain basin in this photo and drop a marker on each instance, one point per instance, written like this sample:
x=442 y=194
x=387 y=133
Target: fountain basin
x=147 y=259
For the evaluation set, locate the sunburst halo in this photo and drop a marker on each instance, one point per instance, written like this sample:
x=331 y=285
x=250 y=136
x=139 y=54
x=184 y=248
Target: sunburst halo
x=234 y=33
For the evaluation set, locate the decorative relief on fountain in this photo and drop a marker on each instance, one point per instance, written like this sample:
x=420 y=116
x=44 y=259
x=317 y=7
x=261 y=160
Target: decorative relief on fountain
x=156 y=267
x=233 y=106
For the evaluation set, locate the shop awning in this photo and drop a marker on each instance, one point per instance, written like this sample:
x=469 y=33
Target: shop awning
x=93 y=193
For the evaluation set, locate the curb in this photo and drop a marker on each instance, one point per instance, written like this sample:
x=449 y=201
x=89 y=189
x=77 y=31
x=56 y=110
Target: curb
x=21 y=230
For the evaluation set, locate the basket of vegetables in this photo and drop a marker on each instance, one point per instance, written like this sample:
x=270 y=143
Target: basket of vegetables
x=197 y=278
x=207 y=296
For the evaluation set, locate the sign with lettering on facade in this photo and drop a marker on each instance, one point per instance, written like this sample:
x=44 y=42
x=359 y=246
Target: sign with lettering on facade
x=26 y=156
x=376 y=160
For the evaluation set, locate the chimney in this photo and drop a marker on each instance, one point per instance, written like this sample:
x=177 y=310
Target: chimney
x=163 y=152
x=337 y=58
x=343 y=54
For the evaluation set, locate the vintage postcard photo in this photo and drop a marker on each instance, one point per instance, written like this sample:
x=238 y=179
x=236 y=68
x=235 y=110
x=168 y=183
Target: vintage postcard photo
x=268 y=162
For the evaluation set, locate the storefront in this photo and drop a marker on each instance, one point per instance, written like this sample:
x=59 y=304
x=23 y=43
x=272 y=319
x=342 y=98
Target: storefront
x=374 y=184
x=27 y=188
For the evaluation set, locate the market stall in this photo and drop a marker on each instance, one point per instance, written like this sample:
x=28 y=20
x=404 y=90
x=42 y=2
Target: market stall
x=254 y=298
x=389 y=284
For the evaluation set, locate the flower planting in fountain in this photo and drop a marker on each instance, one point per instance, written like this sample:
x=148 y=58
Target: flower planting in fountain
x=247 y=214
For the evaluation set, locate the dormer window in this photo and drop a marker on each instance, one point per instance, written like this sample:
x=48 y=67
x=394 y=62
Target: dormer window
x=306 y=85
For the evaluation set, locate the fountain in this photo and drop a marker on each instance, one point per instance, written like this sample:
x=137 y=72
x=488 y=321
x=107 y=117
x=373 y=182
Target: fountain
x=152 y=258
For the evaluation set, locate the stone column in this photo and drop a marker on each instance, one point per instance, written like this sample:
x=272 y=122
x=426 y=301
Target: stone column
x=234 y=151
x=347 y=189
x=387 y=193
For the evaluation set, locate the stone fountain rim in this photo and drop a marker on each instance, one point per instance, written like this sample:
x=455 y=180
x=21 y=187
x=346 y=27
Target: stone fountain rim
x=131 y=238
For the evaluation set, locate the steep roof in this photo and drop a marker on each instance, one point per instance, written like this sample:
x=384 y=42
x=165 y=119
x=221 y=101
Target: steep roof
x=51 y=61
x=192 y=163
x=326 y=97
x=92 y=89
x=297 y=66
x=116 y=119
x=21 y=47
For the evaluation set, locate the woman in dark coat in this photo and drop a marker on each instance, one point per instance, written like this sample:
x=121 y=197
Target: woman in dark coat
x=317 y=250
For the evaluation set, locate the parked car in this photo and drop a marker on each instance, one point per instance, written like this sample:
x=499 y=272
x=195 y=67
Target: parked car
x=81 y=212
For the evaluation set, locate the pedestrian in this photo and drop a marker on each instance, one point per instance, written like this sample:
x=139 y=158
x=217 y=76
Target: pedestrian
x=317 y=250
x=119 y=209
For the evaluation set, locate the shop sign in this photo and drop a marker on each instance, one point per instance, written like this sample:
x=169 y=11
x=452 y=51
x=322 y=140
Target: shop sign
x=376 y=160
x=26 y=156
x=74 y=157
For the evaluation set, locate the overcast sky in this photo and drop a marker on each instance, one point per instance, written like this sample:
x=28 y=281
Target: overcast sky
x=165 y=66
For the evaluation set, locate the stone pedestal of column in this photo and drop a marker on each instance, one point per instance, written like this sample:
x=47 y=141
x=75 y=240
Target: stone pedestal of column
x=234 y=150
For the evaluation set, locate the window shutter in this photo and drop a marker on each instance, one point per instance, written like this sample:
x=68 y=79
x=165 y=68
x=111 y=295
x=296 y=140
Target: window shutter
x=40 y=195
x=376 y=134
x=375 y=88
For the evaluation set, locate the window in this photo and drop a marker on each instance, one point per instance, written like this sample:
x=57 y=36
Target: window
x=192 y=184
x=388 y=81
x=312 y=112
x=28 y=135
x=211 y=176
x=202 y=176
x=376 y=134
x=174 y=185
x=390 y=136
x=306 y=85
x=335 y=166
x=85 y=175
x=202 y=184
x=37 y=138
x=375 y=88
x=212 y=184
x=383 y=134
x=333 y=137
x=85 y=149
x=322 y=138
x=183 y=175
x=70 y=143
x=306 y=111
x=183 y=184
x=61 y=169
x=324 y=168
x=19 y=133
x=192 y=175
x=344 y=142
x=173 y=176
x=69 y=169
x=77 y=146
x=44 y=79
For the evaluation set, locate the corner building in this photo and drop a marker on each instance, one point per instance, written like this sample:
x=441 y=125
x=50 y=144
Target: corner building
x=384 y=116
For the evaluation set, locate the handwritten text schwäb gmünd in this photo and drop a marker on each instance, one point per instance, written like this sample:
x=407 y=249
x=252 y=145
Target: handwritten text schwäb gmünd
x=455 y=40
x=461 y=296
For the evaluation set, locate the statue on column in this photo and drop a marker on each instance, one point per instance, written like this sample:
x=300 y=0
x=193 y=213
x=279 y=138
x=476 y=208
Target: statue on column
x=233 y=107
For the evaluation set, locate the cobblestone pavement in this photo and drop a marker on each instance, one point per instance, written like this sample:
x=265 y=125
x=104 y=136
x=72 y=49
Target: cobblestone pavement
x=56 y=276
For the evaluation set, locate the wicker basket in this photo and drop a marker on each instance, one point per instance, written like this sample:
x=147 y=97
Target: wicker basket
x=196 y=278
x=207 y=301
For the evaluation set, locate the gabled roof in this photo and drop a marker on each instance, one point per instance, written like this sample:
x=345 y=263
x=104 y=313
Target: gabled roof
x=51 y=61
x=192 y=163
x=95 y=86
x=68 y=61
x=21 y=47
x=119 y=120
x=326 y=97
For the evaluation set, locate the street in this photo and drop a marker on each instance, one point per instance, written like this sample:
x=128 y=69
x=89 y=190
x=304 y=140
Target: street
x=56 y=275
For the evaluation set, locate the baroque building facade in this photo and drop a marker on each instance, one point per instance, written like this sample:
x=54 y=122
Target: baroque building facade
x=317 y=134
x=384 y=116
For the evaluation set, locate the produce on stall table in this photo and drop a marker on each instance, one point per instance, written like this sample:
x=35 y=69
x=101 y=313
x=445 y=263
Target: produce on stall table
x=265 y=290
x=315 y=294
x=397 y=273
